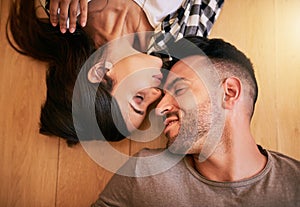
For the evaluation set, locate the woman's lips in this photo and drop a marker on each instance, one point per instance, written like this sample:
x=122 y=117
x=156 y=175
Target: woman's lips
x=159 y=77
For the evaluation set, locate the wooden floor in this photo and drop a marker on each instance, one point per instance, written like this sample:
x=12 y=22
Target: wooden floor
x=40 y=171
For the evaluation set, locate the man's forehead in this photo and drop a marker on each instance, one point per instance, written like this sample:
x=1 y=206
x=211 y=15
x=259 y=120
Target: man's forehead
x=187 y=69
x=193 y=63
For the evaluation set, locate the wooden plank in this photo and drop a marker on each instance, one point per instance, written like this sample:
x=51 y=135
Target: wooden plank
x=29 y=160
x=80 y=178
x=288 y=76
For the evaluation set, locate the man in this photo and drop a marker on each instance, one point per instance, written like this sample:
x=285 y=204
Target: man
x=207 y=117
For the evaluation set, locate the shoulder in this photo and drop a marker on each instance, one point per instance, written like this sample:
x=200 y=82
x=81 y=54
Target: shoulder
x=285 y=164
x=150 y=162
x=283 y=159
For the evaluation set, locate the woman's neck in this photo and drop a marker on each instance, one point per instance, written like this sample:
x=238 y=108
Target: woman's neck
x=114 y=19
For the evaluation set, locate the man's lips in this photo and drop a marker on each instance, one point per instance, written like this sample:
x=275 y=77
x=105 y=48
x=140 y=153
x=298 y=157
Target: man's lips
x=169 y=122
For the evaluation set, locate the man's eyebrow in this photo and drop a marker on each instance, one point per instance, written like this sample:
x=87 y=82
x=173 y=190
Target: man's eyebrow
x=170 y=85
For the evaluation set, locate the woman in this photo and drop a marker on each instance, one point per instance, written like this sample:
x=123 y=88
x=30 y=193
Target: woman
x=66 y=54
x=122 y=84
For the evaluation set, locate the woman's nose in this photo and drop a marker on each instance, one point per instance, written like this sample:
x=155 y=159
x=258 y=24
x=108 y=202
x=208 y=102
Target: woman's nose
x=155 y=94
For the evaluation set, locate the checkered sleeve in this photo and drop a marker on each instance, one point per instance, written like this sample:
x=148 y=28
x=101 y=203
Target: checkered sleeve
x=194 y=17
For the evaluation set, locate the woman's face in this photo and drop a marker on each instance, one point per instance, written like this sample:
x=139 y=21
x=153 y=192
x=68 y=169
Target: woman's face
x=136 y=80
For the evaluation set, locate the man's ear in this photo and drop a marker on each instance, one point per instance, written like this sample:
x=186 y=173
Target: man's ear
x=232 y=90
x=94 y=74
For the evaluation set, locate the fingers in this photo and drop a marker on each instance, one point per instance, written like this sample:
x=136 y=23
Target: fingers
x=53 y=8
x=73 y=16
x=63 y=15
x=83 y=12
x=64 y=12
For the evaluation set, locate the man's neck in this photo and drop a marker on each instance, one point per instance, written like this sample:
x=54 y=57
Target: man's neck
x=237 y=159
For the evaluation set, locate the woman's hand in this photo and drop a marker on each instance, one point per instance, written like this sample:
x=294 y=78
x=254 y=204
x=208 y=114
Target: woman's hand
x=62 y=11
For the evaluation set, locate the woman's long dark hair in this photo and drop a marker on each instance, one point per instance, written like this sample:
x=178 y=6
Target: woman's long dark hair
x=65 y=54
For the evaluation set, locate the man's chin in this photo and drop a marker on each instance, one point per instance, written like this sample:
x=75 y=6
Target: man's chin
x=171 y=139
x=176 y=147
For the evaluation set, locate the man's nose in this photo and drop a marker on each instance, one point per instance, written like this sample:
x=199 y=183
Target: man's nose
x=165 y=105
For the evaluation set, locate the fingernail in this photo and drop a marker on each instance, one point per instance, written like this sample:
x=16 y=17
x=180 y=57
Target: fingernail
x=63 y=30
x=72 y=29
x=83 y=24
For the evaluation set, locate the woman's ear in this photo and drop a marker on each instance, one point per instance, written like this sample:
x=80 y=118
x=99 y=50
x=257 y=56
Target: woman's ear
x=94 y=74
x=232 y=89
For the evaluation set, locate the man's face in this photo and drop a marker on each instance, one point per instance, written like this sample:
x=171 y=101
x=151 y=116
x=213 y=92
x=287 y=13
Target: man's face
x=186 y=107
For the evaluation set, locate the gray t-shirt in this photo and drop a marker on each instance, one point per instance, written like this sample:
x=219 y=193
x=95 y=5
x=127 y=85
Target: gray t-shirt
x=278 y=184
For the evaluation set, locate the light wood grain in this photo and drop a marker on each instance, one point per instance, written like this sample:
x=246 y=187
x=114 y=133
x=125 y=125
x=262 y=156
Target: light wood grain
x=28 y=160
x=288 y=76
x=80 y=178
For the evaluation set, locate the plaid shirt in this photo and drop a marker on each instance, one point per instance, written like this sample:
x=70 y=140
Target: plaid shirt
x=194 y=17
